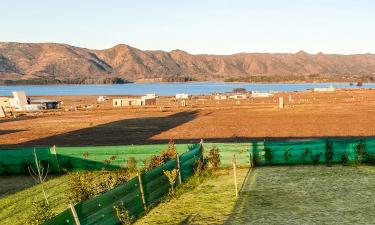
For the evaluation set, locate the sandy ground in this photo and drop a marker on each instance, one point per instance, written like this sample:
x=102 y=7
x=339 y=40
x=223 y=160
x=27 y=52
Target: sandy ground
x=342 y=113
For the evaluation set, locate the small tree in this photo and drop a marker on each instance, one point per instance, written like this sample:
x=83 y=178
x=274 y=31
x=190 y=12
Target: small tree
x=268 y=155
x=40 y=175
x=214 y=157
x=131 y=164
x=329 y=154
x=171 y=175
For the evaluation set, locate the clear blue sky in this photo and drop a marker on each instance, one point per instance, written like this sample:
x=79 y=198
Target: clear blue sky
x=196 y=26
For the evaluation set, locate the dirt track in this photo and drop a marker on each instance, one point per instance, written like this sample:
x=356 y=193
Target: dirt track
x=343 y=113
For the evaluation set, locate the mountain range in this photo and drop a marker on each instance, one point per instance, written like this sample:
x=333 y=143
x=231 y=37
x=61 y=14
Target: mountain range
x=49 y=63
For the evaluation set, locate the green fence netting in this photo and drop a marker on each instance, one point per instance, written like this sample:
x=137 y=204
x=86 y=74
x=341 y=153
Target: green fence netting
x=100 y=210
x=310 y=151
x=17 y=161
x=61 y=159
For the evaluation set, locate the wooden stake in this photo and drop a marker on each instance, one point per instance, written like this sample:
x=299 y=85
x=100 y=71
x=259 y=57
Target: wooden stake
x=235 y=175
x=57 y=160
x=202 y=149
x=179 y=168
x=74 y=213
x=142 y=193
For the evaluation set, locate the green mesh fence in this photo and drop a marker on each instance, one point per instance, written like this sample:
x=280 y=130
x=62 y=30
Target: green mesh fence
x=17 y=161
x=61 y=159
x=310 y=151
x=100 y=210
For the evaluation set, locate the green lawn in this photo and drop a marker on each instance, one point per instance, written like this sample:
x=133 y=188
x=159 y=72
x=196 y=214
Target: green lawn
x=210 y=203
x=307 y=195
x=16 y=207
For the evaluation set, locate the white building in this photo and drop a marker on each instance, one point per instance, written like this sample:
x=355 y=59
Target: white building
x=220 y=97
x=182 y=96
x=102 y=98
x=329 y=89
x=238 y=96
x=261 y=94
x=19 y=100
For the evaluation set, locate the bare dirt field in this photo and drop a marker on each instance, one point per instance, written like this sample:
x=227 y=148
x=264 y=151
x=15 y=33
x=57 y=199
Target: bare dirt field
x=342 y=113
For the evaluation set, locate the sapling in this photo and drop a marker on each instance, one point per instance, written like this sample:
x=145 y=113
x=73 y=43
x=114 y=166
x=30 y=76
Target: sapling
x=171 y=175
x=40 y=174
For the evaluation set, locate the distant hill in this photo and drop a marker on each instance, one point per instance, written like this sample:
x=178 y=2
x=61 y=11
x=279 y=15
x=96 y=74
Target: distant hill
x=49 y=63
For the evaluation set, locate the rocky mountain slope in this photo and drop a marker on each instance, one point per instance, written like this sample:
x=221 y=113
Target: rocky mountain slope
x=60 y=63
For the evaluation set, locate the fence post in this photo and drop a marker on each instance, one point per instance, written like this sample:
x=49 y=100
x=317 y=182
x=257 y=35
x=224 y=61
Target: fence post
x=202 y=149
x=74 y=213
x=179 y=168
x=57 y=160
x=235 y=175
x=142 y=192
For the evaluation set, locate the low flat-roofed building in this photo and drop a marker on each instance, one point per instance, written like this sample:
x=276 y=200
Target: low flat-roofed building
x=46 y=103
x=220 y=97
x=238 y=96
x=141 y=101
x=261 y=94
x=182 y=96
x=329 y=89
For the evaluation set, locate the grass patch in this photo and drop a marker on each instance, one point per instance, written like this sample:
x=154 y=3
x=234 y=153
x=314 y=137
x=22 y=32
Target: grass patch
x=209 y=201
x=307 y=195
x=16 y=208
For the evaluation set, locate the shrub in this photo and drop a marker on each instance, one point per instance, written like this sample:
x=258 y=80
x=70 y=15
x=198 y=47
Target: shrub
x=268 y=155
x=329 y=154
x=152 y=163
x=88 y=184
x=304 y=155
x=287 y=154
x=122 y=214
x=199 y=167
x=131 y=164
x=315 y=157
x=345 y=159
x=361 y=152
x=170 y=153
x=214 y=157
x=158 y=160
x=41 y=211
x=171 y=175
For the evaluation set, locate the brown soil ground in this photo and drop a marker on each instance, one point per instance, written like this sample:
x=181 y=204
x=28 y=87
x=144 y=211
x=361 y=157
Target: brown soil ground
x=342 y=113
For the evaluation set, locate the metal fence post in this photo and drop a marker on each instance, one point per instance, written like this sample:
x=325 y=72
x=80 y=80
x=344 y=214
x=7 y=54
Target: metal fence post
x=74 y=213
x=142 y=192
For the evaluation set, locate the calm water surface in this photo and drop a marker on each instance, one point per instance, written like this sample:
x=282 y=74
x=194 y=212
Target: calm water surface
x=193 y=88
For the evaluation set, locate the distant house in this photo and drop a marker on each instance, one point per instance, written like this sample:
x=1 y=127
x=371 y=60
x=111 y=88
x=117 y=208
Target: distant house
x=153 y=95
x=329 y=89
x=38 y=104
x=238 y=96
x=140 y=101
x=102 y=98
x=220 y=97
x=261 y=95
x=182 y=96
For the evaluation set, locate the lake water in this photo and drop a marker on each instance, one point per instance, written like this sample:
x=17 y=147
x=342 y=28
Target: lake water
x=193 y=88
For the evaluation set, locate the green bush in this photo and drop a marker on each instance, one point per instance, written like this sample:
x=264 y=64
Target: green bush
x=122 y=214
x=88 y=184
x=214 y=157
x=41 y=212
